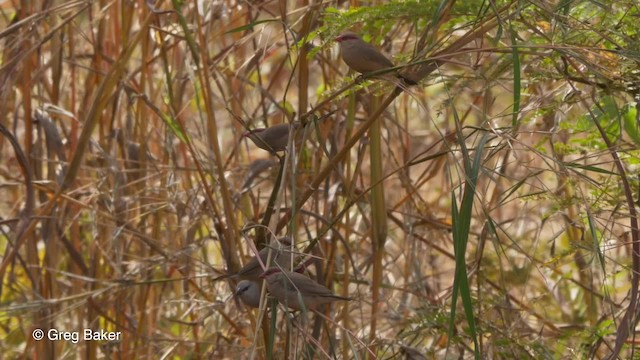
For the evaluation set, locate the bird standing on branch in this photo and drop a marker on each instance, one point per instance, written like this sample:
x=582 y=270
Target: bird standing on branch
x=298 y=291
x=363 y=57
x=249 y=292
x=280 y=256
x=273 y=139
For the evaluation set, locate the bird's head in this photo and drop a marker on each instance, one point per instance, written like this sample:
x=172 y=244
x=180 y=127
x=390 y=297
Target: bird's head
x=346 y=36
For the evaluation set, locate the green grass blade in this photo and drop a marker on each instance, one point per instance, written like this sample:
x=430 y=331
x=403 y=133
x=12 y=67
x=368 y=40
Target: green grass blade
x=461 y=223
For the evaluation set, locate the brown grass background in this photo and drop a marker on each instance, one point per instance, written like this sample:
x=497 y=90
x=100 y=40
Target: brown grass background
x=126 y=185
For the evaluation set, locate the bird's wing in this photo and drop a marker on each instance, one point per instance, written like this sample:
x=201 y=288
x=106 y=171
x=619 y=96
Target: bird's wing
x=310 y=287
x=370 y=53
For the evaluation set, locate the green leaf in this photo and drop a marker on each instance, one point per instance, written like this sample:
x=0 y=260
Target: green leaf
x=631 y=126
x=461 y=223
x=516 y=75
x=176 y=129
x=607 y=113
x=589 y=168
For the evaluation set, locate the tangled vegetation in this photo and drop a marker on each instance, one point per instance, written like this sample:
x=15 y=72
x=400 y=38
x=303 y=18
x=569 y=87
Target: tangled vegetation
x=487 y=212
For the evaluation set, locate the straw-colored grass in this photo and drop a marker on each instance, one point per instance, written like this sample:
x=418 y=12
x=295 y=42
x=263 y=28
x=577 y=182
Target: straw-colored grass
x=487 y=212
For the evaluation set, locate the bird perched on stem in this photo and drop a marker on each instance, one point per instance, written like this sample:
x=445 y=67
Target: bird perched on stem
x=363 y=57
x=280 y=256
x=298 y=291
x=273 y=139
x=249 y=293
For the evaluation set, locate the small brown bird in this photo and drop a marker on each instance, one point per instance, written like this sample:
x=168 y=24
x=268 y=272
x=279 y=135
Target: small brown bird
x=363 y=57
x=249 y=293
x=280 y=256
x=290 y=287
x=273 y=139
x=256 y=168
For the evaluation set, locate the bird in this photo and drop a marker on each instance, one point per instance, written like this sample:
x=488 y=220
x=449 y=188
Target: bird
x=363 y=57
x=411 y=353
x=291 y=287
x=280 y=256
x=249 y=293
x=273 y=139
x=256 y=168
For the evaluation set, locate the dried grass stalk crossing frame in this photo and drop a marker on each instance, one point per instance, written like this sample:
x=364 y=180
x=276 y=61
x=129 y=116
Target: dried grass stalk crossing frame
x=124 y=186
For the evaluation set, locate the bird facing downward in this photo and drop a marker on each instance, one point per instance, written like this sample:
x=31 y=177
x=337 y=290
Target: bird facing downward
x=249 y=293
x=273 y=139
x=290 y=287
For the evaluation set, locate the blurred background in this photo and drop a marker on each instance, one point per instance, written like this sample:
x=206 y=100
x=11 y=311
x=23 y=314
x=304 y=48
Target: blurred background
x=486 y=212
